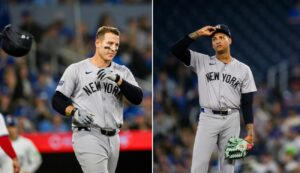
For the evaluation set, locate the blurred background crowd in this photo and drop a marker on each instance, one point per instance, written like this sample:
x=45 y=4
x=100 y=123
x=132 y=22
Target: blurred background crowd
x=266 y=37
x=64 y=32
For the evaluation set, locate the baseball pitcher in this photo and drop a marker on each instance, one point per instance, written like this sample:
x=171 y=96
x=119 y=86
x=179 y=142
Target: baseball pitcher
x=92 y=92
x=226 y=86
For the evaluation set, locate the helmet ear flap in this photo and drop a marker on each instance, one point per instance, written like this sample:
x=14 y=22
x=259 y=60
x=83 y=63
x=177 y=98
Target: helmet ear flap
x=15 y=42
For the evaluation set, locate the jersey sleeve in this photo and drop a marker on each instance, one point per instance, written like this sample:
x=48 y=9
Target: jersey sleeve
x=3 y=129
x=248 y=84
x=130 y=78
x=197 y=60
x=67 y=83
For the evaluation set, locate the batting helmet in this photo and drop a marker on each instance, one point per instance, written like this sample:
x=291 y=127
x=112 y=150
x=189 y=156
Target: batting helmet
x=15 y=42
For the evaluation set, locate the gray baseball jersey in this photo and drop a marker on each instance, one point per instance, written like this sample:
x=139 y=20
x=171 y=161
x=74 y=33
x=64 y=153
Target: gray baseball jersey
x=95 y=151
x=220 y=87
x=101 y=99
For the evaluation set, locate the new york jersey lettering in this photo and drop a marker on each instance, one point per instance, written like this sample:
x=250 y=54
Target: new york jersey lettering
x=95 y=86
x=227 y=78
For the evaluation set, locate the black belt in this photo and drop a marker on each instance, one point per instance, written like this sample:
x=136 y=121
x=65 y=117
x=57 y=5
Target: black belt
x=108 y=132
x=105 y=132
x=217 y=112
x=220 y=112
x=83 y=128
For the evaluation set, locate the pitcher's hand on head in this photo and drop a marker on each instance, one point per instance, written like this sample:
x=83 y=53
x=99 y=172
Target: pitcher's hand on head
x=204 y=31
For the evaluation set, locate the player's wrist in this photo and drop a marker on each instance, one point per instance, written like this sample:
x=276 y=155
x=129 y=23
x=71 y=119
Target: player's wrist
x=70 y=110
x=250 y=130
x=194 y=35
x=73 y=111
x=119 y=82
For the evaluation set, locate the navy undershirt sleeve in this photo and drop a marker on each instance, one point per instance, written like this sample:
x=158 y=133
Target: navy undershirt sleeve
x=132 y=93
x=180 y=50
x=246 y=106
x=60 y=102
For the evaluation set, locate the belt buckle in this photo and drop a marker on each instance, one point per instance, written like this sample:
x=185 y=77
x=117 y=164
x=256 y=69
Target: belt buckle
x=104 y=132
x=108 y=132
x=83 y=128
x=225 y=111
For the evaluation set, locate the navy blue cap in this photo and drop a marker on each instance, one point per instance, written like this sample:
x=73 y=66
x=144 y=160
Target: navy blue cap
x=221 y=28
x=10 y=120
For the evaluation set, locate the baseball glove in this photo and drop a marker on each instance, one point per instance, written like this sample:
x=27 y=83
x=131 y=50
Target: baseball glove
x=237 y=148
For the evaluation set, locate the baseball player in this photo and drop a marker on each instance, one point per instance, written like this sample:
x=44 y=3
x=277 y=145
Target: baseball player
x=29 y=156
x=226 y=85
x=92 y=92
x=6 y=146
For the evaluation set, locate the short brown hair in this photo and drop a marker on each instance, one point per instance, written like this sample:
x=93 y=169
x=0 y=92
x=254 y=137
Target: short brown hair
x=106 y=29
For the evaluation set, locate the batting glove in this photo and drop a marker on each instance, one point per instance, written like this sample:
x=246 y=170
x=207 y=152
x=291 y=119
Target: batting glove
x=83 y=118
x=109 y=74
